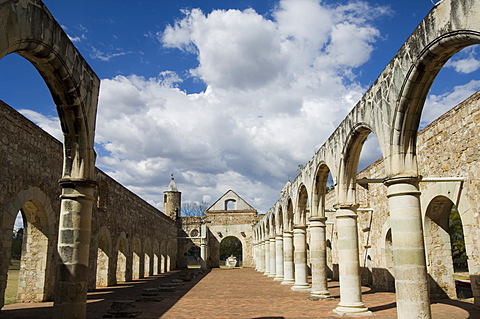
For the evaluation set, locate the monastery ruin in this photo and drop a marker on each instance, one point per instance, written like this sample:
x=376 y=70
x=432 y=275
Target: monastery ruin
x=386 y=227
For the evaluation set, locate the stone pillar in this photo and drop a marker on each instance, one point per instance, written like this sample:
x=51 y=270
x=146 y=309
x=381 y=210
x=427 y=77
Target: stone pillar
x=288 y=278
x=300 y=258
x=203 y=253
x=278 y=258
x=272 y=258
x=348 y=259
x=318 y=257
x=261 y=257
x=411 y=281
x=73 y=248
x=266 y=245
x=254 y=253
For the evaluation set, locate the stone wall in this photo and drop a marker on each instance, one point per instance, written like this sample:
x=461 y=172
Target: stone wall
x=448 y=147
x=220 y=224
x=31 y=165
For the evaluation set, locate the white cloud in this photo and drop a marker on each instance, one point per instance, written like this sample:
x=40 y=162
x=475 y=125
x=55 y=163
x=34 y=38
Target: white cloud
x=50 y=124
x=465 y=61
x=106 y=56
x=436 y=105
x=276 y=89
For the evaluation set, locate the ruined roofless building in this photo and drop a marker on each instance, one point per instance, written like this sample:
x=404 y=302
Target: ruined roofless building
x=88 y=231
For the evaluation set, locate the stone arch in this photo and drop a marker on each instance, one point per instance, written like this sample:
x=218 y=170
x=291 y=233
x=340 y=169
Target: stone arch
x=123 y=270
x=438 y=248
x=437 y=49
x=147 y=258
x=237 y=251
x=163 y=257
x=168 y=257
x=104 y=257
x=29 y=30
x=72 y=83
x=272 y=225
x=303 y=205
x=38 y=249
x=347 y=179
x=230 y=204
x=156 y=257
x=193 y=254
x=388 y=255
x=288 y=218
x=319 y=190
x=137 y=271
x=279 y=225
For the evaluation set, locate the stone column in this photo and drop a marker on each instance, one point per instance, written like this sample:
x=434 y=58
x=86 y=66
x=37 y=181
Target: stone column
x=300 y=258
x=73 y=248
x=411 y=281
x=288 y=278
x=261 y=257
x=203 y=253
x=266 y=245
x=272 y=258
x=348 y=259
x=318 y=257
x=278 y=258
x=254 y=253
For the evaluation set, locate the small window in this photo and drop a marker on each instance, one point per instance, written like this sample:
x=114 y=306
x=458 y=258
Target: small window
x=165 y=198
x=194 y=233
x=230 y=204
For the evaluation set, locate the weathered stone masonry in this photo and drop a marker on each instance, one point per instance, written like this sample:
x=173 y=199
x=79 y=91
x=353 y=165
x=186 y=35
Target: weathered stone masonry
x=31 y=162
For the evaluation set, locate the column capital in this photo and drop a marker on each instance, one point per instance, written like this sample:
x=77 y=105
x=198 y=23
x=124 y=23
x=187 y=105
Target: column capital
x=349 y=206
x=288 y=234
x=402 y=185
x=346 y=210
x=297 y=228
x=77 y=188
x=71 y=182
x=317 y=219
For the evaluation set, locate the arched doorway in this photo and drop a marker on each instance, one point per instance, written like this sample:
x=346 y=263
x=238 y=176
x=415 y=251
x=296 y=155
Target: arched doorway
x=231 y=246
x=193 y=257
x=103 y=260
x=121 y=273
x=36 y=255
x=445 y=247
x=388 y=254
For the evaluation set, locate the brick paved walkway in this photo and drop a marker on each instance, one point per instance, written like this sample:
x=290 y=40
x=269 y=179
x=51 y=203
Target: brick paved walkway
x=234 y=293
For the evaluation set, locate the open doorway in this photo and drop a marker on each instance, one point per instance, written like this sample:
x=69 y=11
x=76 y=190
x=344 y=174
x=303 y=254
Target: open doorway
x=231 y=246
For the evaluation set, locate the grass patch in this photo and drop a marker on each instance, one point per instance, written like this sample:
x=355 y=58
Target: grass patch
x=12 y=282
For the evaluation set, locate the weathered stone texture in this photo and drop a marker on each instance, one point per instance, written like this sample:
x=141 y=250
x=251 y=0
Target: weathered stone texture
x=448 y=147
x=31 y=163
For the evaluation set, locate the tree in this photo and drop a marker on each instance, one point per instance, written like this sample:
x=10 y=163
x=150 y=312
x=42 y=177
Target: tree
x=230 y=246
x=194 y=208
x=17 y=241
x=455 y=230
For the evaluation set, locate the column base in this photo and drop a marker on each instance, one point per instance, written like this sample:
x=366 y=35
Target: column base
x=288 y=282
x=356 y=309
x=271 y=275
x=278 y=278
x=266 y=273
x=315 y=296
x=301 y=287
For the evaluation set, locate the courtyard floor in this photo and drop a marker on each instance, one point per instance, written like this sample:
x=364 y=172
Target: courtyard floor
x=233 y=293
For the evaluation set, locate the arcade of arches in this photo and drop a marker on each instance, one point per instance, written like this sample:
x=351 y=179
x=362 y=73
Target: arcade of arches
x=406 y=223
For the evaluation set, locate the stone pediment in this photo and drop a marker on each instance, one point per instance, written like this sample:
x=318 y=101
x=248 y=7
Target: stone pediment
x=230 y=202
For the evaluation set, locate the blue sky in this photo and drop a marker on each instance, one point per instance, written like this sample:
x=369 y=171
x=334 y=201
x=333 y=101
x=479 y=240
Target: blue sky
x=227 y=94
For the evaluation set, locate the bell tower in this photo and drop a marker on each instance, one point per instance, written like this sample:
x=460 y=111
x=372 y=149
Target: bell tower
x=172 y=200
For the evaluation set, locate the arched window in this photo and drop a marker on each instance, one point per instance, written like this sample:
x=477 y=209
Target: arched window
x=230 y=204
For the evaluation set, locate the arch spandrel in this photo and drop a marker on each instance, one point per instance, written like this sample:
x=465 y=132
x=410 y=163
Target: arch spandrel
x=27 y=28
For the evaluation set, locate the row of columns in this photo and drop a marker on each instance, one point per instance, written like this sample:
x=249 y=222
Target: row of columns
x=284 y=256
